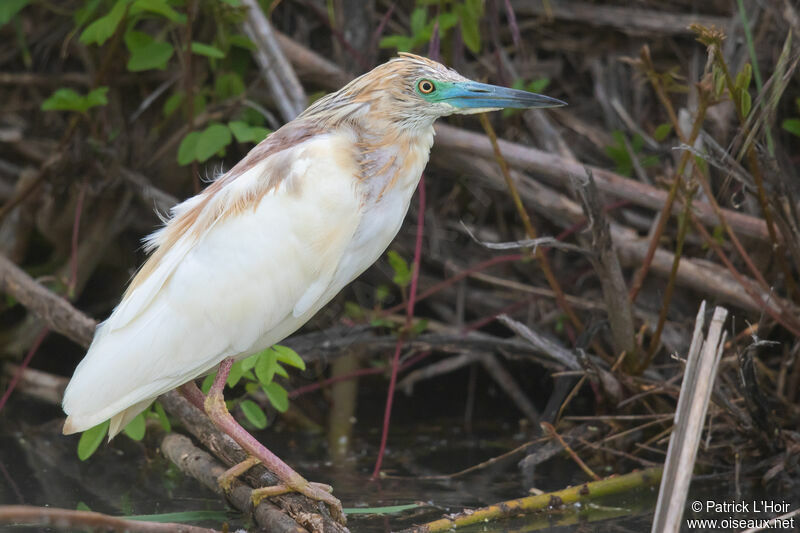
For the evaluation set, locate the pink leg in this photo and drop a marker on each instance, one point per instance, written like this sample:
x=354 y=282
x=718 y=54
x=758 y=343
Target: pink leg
x=292 y=481
x=193 y=394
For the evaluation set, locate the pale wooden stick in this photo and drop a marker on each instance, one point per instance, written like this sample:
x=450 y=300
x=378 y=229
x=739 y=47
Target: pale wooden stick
x=57 y=313
x=690 y=416
x=276 y=69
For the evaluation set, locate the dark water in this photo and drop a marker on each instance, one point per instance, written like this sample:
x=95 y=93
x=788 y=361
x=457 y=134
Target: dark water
x=39 y=466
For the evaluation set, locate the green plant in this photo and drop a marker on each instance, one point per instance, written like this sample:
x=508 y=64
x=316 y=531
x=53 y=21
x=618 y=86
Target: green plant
x=466 y=14
x=144 y=26
x=792 y=125
x=258 y=372
x=69 y=100
x=622 y=156
x=9 y=8
x=92 y=438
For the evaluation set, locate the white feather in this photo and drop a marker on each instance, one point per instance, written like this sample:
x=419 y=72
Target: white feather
x=228 y=292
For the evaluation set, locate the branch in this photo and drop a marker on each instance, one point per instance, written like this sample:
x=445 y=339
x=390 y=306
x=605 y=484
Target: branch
x=606 y=264
x=276 y=69
x=68 y=519
x=57 y=313
x=200 y=465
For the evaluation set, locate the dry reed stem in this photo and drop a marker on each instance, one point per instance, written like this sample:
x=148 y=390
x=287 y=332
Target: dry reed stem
x=690 y=415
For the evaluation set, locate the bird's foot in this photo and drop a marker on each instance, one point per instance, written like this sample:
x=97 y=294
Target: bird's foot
x=291 y=481
x=226 y=479
x=315 y=491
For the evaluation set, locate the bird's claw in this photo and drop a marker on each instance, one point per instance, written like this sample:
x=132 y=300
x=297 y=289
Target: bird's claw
x=312 y=490
x=226 y=479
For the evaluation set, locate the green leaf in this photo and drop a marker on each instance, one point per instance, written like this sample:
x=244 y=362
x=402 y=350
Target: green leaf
x=83 y=14
x=743 y=78
x=637 y=143
x=618 y=153
x=212 y=139
x=242 y=42
x=99 y=31
x=162 y=416
x=719 y=81
x=82 y=507
x=91 y=439
x=207 y=382
x=255 y=415
x=235 y=374
x=246 y=133
x=277 y=395
x=207 y=50
x=401 y=42
x=289 y=356
x=160 y=7
x=249 y=362
x=662 y=131
x=447 y=21
x=475 y=8
x=537 y=86
x=187 y=148
x=199 y=103
x=419 y=327
x=418 y=18
x=265 y=366
x=470 y=27
x=258 y=134
x=228 y=85
x=745 y=102
x=402 y=273
x=9 y=8
x=390 y=509
x=382 y=293
x=353 y=310
x=173 y=103
x=69 y=100
x=135 y=428
x=241 y=130
x=792 y=125
x=280 y=371
x=146 y=53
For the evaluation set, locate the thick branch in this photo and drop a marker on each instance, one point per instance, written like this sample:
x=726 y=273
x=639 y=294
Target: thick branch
x=57 y=313
x=201 y=466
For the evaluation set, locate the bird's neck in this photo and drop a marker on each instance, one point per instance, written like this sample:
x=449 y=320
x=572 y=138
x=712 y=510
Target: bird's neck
x=391 y=158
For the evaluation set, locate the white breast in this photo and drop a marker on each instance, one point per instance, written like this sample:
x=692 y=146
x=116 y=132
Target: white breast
x=384 y=210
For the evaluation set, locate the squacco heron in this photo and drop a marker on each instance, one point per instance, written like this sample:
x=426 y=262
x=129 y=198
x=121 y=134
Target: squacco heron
x=249 y=260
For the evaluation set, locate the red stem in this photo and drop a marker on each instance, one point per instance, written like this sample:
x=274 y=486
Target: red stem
x=73 y=275
x=23 y=366
x=352 y=375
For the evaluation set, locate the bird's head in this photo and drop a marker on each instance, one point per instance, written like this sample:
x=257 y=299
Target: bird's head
x=412 y=91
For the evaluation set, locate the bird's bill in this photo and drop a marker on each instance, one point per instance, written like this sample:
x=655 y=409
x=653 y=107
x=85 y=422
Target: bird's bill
x=473 y=95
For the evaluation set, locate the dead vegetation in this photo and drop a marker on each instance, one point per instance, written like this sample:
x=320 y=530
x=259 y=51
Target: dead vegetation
x=578 y=242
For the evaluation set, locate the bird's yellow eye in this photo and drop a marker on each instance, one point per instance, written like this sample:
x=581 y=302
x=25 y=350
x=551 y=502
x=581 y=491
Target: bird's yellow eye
x=426 y=87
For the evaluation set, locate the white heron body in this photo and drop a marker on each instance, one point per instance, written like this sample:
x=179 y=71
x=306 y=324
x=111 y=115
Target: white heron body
x=255 y=275
x=249 y=260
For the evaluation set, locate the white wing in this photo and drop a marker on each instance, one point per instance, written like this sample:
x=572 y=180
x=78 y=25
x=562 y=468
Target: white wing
x=264 y=259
